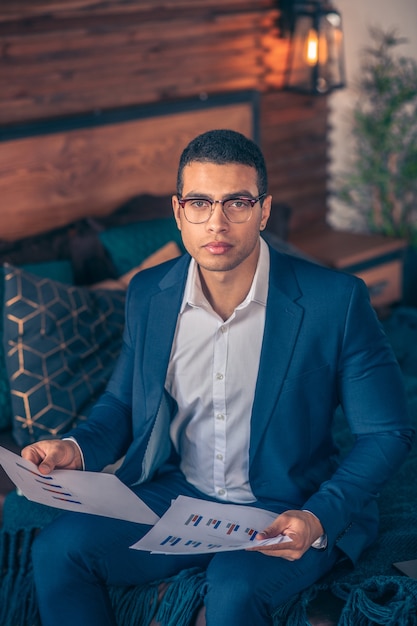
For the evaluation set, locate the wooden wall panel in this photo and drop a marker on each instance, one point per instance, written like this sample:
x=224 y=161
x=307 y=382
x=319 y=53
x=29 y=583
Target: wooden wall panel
x=293 y=138
x=70 y=57
x=64 y=57
x=51 y=180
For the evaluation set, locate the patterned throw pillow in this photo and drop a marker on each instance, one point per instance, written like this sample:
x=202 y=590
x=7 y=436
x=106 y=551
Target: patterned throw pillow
x=58 y=270
x=60 y=344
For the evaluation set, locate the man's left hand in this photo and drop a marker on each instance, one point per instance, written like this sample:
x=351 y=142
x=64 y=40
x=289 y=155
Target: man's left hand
x=302 y=527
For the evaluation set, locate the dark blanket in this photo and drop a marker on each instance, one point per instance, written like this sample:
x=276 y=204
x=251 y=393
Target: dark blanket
x=374 y=592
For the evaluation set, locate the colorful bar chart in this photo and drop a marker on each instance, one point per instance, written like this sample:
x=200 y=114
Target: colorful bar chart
x=228 y=527
x=194 y=519
x=251 y=532
x=170 y=540
x=213 y=522
x=201 y=526
x=98 y=493
x=232 y=527
x=56 y=490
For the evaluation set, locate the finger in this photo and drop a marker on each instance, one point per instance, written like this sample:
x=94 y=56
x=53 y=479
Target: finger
x=31 y=453
x=271 y=531
x=287 y=556
x=47 y=465
x=56 y=456
x=36 y=454
x=275 y=531
x=280 y=551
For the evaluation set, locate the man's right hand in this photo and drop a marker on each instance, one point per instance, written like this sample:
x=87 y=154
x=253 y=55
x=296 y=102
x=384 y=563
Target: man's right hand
x=54 y=454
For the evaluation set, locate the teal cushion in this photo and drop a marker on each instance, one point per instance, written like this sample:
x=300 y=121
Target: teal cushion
x=60 y=344
x=57 y=270
x=132 y=243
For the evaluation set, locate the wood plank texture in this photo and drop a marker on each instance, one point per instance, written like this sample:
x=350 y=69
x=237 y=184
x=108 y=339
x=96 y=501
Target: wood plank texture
x=60 y=58
x=293 y=137
x=69 y=57
x=52 y=180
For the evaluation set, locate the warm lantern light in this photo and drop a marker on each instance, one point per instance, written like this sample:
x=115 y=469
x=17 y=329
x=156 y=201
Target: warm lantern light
x=312 y=48
x=315 y=58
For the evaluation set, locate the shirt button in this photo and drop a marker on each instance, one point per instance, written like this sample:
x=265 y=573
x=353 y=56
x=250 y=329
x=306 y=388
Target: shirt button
x=219 y=376
x=221 y=492
x=219 y=457
x=223 y=329
x=220 y=416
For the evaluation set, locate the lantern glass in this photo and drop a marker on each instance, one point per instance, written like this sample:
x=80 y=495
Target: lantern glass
x=315 y=59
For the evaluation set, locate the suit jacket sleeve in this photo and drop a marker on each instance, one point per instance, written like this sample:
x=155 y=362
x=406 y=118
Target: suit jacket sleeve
x=372 y=396
x=106 y=435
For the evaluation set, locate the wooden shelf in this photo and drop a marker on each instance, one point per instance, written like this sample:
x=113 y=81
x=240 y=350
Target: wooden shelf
x=378 y=260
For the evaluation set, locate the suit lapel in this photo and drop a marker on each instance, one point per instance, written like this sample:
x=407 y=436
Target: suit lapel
x=282 y=324
x=163 y=313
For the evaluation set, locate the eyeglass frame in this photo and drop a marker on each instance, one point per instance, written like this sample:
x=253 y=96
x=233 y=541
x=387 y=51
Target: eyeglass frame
x=253 y=201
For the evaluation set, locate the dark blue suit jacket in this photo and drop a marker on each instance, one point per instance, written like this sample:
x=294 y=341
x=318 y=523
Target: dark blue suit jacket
x=322 y=347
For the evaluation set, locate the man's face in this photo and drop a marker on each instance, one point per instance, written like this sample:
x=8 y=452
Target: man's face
x=219 y=245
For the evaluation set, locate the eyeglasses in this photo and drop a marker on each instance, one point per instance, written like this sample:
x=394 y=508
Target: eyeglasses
x=237 y=209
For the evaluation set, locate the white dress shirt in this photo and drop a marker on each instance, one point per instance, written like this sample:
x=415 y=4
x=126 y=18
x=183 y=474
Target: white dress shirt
x=212 y=376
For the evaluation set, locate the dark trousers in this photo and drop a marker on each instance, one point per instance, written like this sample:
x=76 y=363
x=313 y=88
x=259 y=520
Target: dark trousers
x=78 y=555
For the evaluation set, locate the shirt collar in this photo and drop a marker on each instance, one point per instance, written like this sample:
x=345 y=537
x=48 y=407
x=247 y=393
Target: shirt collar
x=258 y=292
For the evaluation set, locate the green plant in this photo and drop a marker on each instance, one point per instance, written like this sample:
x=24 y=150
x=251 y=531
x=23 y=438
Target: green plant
x=382 y=183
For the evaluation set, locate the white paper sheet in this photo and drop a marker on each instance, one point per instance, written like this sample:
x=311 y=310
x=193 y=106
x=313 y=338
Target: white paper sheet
x=196 y=526
x=87 y=492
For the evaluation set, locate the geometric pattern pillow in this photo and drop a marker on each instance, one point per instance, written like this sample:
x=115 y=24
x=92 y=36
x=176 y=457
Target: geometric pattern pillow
x=60 y=343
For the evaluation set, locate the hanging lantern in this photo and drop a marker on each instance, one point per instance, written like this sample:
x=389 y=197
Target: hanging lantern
x=315 y=61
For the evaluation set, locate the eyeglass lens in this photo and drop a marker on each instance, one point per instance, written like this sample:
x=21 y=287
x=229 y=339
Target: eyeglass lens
x=237 y=210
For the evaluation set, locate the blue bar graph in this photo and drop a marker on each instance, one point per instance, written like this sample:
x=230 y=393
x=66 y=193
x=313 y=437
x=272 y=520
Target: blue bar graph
x=170 y=540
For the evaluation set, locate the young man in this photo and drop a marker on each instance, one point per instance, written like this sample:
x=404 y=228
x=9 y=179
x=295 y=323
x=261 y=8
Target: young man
x=253 y=350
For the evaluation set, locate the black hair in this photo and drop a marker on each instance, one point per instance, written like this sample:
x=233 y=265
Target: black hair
x=223 y=147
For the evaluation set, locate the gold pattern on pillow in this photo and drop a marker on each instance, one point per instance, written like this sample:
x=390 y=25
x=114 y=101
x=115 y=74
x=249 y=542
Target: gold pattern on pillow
x=61 y=343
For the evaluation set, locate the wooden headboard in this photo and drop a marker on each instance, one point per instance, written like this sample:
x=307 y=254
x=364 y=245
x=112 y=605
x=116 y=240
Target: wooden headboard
x=55 y=172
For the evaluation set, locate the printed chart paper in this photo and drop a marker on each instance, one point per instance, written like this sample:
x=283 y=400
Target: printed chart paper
x=87 y=492
x=196 y=526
